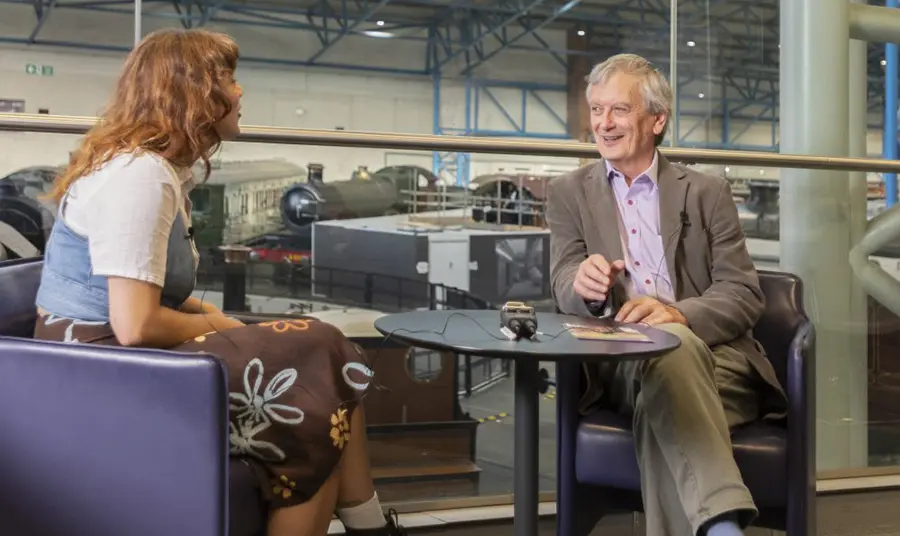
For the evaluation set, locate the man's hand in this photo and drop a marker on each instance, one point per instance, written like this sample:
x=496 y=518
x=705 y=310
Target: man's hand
x=596 y=276
x=652 y=312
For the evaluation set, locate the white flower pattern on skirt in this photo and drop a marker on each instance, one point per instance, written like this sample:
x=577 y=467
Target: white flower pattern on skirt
x=362 y=369
x=69 y=337
x=254 y=413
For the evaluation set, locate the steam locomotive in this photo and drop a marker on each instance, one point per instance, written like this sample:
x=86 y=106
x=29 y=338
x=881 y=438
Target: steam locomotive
x=390 y=190
x=270 y=205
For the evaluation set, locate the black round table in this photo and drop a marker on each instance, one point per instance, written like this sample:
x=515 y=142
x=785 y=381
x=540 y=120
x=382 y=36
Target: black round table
x=478 y=332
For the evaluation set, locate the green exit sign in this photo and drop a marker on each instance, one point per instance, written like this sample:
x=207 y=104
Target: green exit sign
x=38 y=70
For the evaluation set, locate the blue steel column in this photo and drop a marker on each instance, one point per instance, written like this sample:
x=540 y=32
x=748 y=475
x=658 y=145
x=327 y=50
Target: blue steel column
x=891 y=74
x=463 y=159
x=815 y=215
x=437 y=160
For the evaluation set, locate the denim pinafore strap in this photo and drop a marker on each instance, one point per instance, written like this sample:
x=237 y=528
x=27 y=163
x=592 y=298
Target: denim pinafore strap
x=70 y=289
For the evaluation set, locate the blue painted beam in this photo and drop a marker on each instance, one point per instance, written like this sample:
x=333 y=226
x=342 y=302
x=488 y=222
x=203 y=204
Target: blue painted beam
x=44 y=15
x=472 y=43
x=604 y=16
x=891 y=75
x=531 y=86
x=744 y=44
x=267 y=16
x=348 y=29
x=529 y=30
x=244 y=59
x=598 y=17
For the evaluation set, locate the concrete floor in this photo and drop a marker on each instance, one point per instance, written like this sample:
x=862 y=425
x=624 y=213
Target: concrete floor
x=495 y=440
x=866 y=513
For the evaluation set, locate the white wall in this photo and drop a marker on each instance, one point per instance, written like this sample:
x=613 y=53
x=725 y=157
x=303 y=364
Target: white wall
x=329 y=99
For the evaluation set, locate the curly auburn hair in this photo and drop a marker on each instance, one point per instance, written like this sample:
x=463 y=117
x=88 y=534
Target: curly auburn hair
x=172 y=92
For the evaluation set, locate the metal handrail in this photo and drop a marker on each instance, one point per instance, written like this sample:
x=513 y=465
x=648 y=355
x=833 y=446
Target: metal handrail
x=58 y=124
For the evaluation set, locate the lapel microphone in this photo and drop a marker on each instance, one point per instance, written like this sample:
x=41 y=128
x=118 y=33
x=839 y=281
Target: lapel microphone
x=190 y=234
x=685 y=220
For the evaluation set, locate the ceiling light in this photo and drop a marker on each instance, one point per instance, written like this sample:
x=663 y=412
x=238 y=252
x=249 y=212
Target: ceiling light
x=377 y=33
x=691 y=43
x=380 y=23
x=701 y=95
x=581 y=32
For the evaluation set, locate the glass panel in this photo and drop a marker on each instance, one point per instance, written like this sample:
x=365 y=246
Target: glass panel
x=863 y=431
x=340 y=246
x=729 y=79
x=334 y=275
x=727 y=95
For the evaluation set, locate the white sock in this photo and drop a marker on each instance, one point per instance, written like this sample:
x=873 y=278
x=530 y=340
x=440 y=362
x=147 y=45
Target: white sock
x=367 y=515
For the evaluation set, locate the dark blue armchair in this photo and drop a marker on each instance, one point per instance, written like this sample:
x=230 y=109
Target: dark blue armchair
x=105 y=440
x=596 y=463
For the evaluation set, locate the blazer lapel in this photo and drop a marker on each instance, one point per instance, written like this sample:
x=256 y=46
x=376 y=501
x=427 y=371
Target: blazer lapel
x=673 y=188
x=601 y=200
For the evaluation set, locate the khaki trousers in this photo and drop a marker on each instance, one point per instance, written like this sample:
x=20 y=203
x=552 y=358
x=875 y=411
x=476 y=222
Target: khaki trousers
x=684 y=404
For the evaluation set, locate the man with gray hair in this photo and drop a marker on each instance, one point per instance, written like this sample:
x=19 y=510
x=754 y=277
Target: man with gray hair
x=654 y=242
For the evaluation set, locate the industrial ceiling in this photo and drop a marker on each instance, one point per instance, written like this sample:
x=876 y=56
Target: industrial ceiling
x=733 y=44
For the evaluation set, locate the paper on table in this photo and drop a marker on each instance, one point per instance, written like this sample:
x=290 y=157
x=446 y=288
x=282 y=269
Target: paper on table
x=605 y=333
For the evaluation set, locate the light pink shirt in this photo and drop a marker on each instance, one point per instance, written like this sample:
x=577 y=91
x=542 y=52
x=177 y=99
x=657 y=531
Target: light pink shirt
x=642 y=243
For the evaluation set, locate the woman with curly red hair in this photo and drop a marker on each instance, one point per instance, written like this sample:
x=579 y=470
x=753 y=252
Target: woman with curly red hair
x=120 y=267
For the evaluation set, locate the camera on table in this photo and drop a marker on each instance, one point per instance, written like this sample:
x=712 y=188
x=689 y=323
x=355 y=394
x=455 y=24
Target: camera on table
x=519 y=319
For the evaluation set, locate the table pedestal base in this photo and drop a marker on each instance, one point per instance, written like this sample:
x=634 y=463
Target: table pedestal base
x=525 y=465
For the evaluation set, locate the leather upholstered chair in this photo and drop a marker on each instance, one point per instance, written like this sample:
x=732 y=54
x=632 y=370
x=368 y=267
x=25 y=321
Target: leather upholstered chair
x=107 y=440
x=596 y=461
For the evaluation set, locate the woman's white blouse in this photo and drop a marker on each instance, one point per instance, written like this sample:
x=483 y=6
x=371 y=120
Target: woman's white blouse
x=126 y=210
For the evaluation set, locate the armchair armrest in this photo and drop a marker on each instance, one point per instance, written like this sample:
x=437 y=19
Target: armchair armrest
x=801 y=429
x=131 y=441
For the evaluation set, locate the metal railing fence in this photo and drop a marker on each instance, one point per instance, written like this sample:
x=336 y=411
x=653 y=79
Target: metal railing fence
x=58 y=124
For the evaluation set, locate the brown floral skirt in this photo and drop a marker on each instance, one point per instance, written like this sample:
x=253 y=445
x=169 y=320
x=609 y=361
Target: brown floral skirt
x=293 y=386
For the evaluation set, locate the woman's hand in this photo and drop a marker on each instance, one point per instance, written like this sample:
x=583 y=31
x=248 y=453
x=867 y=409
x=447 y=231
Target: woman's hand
x=195 y=306
x=138 y=319
x=222 y=322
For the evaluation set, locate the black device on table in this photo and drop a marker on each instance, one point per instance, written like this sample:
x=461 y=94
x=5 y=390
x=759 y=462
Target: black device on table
x=519 y=319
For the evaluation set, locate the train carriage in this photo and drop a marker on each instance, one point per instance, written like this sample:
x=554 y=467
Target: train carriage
x=240 y=200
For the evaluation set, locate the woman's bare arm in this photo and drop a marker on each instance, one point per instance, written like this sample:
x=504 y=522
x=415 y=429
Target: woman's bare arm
x=138 y=319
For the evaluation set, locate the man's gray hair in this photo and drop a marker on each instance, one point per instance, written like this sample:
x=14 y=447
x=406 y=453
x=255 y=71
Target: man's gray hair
x=654 y=87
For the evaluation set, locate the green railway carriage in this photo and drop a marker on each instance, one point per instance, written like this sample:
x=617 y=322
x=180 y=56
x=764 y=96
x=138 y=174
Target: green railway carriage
x=240 y=201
